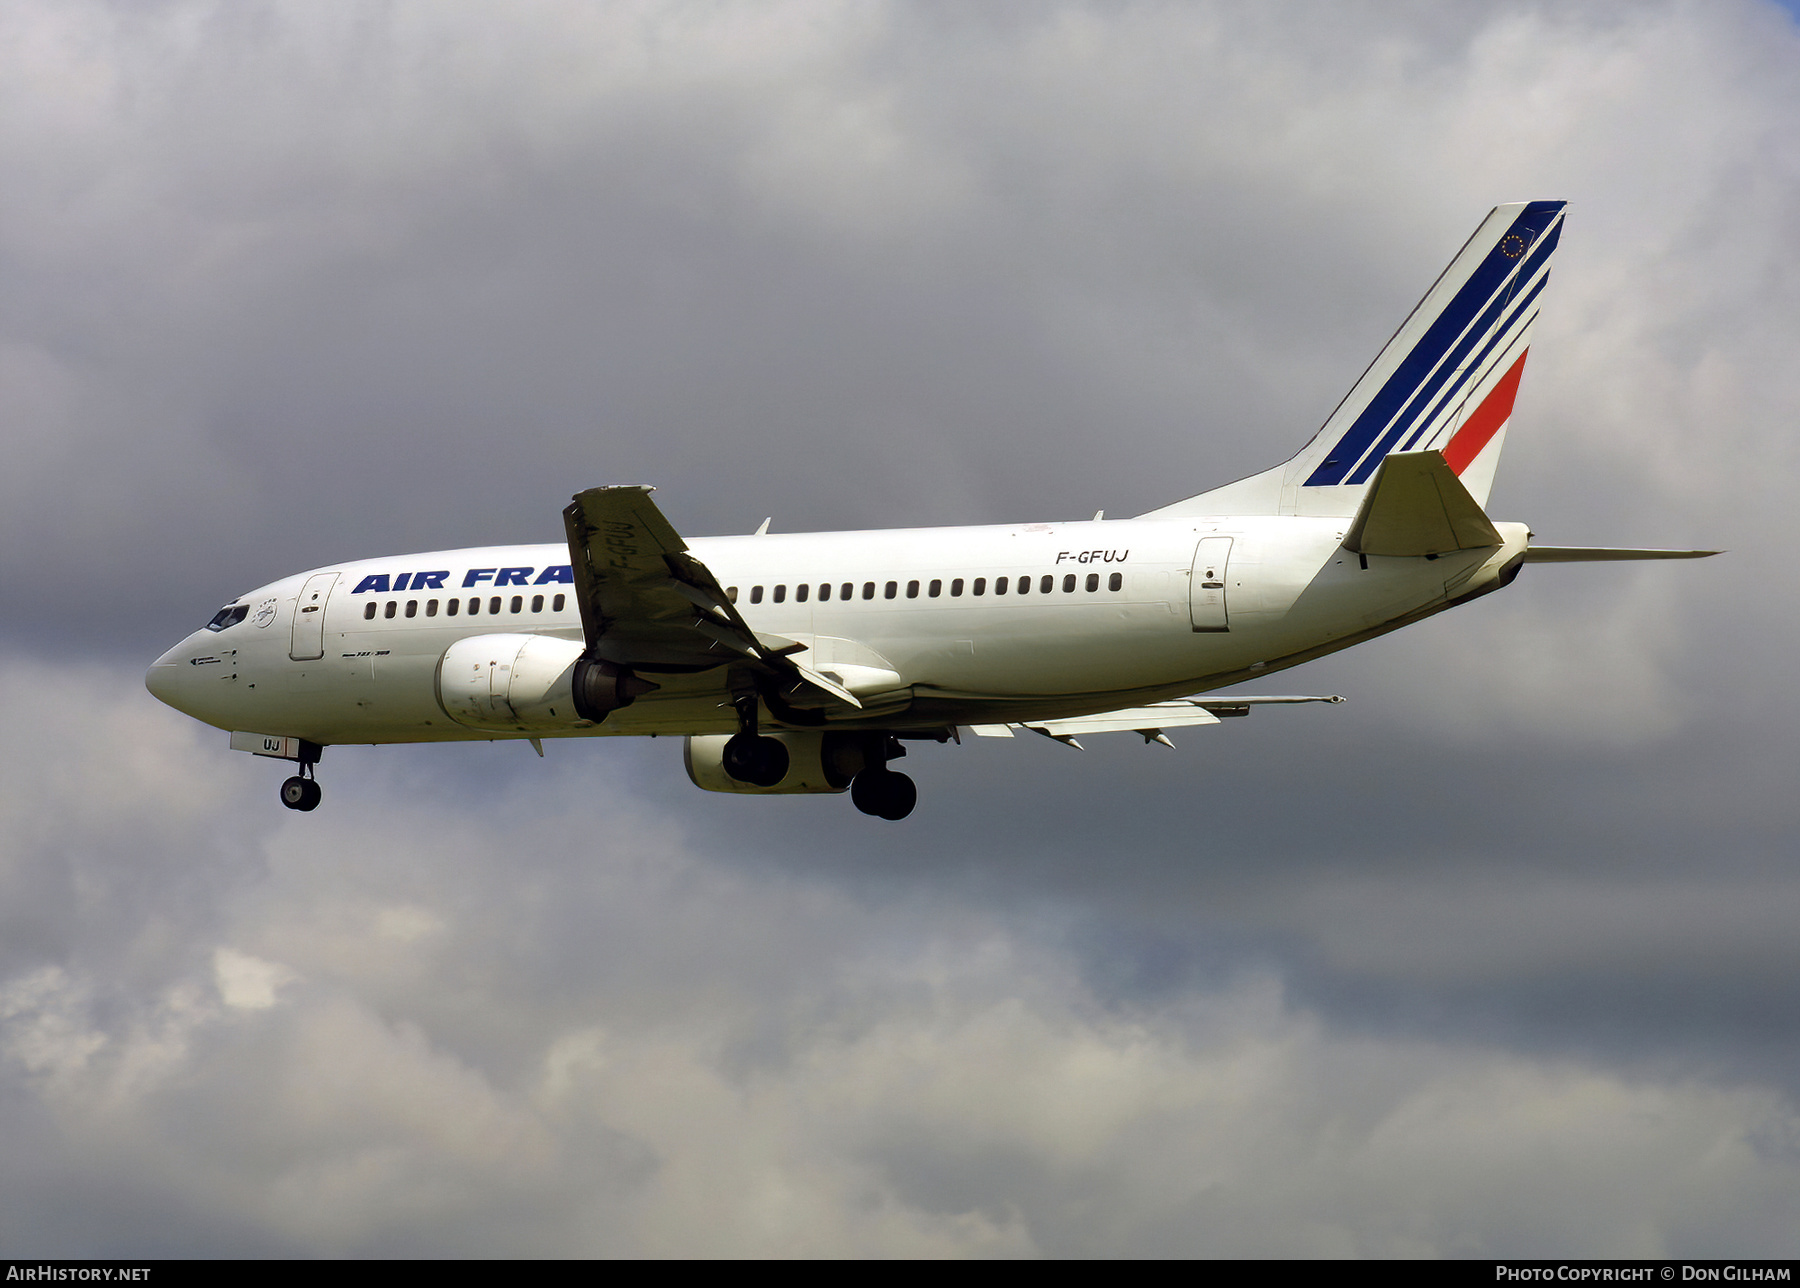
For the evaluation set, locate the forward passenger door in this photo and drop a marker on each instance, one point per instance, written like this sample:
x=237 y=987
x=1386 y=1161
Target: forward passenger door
x=308 y=639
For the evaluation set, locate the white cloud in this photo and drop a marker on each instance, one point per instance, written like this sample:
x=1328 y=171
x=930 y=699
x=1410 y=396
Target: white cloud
x=248 y=983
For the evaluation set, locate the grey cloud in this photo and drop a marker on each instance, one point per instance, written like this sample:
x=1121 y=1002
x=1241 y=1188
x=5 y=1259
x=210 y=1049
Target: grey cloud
x=441 y=1027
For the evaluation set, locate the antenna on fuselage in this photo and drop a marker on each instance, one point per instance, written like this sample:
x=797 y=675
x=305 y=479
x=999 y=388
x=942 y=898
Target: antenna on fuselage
x=762 y=529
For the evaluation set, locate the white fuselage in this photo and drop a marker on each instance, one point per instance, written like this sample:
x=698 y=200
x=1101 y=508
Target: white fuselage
x=1092 y=616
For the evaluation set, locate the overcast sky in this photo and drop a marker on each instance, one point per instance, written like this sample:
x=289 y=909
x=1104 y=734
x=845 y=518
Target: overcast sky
x=1498 y=958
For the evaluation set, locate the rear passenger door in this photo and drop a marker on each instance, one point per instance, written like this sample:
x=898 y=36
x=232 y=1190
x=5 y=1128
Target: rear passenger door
x=1206 y=592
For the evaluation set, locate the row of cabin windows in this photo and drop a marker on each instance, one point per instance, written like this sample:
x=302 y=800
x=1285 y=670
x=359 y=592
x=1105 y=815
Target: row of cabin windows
x=979 y=586
x=454 y=606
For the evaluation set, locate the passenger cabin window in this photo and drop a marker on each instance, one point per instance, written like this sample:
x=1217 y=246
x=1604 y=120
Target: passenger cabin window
x=231 y=615
x=390 y=609
x=1115 y=581
x=1046 y=585
x=890 y=590
x=556 y=604
x=494 y=604
x=474 y=607
x=935 y=589
x=1093 y=582
x=956 y=586
x=756 y=594
x=730 y=593
x=801 y=592
x=1024 y=585
x=824 y=591
x=846 y=590
x=1069 y=584
x=369 y=610
x=431 y=608
x=780 y=593
x=452 y=607
x=980 y=586
x=537 y=603
x=868 y=590
x=518 y=603
x=412 y=608
x=912 y=590
x=1000 y=584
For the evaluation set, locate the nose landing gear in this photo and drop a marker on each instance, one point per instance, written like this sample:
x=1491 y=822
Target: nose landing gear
x=302 y=792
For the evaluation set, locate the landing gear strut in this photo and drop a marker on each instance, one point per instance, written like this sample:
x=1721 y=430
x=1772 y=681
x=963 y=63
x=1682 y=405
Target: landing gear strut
x=762 y=762
x=302 y=792
x=880 y=791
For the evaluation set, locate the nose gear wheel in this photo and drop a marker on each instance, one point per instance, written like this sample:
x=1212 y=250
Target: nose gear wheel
x=301 y=793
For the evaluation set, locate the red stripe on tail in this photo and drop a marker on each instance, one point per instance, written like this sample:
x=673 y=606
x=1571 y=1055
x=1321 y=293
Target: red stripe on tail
x=1486 y=421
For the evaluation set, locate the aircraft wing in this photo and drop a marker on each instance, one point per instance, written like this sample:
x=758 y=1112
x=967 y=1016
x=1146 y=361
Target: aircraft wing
x=1149 y=720
x=647 y=603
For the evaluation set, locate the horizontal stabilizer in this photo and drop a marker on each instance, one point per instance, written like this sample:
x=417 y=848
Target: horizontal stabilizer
x=1416 y=506
x=1606 y=554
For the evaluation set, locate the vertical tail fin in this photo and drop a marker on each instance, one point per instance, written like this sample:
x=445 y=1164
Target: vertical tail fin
x=1445 y=382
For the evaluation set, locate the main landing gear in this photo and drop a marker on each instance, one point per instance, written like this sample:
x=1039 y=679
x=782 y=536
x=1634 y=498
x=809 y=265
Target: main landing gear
x=762 y=762
x=859 y=759
x=884 y=793
x=877 y=790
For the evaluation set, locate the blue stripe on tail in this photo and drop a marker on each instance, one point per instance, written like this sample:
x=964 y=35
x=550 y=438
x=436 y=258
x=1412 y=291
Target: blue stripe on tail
x=1504 y=311
x=1407 y=388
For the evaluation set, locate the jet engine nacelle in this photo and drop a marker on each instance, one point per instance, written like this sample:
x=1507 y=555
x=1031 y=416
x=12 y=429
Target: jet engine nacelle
x=817 y=762
x=530 y=684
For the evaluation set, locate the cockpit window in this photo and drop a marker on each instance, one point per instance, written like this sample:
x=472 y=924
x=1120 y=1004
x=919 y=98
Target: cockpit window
x=230 y=615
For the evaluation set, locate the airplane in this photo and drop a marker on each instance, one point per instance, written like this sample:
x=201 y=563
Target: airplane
x=803 y=663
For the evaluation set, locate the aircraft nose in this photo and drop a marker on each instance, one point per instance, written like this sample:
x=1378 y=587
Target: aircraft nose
x=167 y=676
x=160 y=680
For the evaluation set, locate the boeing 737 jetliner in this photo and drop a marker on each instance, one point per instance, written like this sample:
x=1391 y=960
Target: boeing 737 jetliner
x=804 y=663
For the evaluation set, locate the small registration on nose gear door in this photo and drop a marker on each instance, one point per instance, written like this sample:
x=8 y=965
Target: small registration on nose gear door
x=308 y=640
x=1206 y=592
